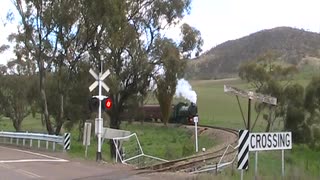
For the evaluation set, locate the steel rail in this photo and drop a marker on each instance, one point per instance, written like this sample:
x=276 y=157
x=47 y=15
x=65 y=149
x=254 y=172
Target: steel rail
x=194 y=161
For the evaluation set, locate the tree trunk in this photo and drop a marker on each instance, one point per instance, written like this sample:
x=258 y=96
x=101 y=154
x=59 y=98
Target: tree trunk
x=44 y=97
x=270 y=120
x=60 y=118
x=16 y=125
x=268 y=126
x=42 y=120
x=58 y=128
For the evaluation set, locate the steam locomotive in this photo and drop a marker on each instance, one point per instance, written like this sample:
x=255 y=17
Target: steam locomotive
x=181 y=113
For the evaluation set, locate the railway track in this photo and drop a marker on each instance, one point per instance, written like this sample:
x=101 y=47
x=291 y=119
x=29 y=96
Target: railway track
x=192 y=163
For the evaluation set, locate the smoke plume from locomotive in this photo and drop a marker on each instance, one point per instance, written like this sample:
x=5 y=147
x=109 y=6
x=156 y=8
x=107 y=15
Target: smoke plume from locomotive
x=184 y=89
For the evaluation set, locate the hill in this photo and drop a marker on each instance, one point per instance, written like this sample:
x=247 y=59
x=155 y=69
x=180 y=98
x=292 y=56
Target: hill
x=295 y=46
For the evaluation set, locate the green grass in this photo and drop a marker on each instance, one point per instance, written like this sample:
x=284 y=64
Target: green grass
x=167 y=142
x=30 y=124
x=159 y=141
x=218 y=108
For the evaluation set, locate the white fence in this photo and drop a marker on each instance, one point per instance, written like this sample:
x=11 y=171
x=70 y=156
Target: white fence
x=28 y=139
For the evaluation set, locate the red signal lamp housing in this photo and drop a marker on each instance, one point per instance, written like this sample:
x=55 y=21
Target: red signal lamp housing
x=108 y=103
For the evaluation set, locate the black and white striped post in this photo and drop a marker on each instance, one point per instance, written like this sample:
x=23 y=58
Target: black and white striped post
x=66 y=141
x=243 y=151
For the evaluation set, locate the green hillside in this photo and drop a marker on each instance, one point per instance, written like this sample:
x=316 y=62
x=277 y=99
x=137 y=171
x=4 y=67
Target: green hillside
x=295 y=46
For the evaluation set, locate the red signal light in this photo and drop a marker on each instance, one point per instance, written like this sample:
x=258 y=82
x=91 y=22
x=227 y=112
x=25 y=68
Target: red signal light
x=108 y=103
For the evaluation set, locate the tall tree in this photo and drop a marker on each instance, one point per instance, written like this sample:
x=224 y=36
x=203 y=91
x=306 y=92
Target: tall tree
x=172 y=60
x=34 y=34
x=125 y=36
x=312 y=106
x=270 y=78
x=294 y=117
x=54 y=39
x=125 y=33
x=167 y=54
x=16 y=98
x=72 y=41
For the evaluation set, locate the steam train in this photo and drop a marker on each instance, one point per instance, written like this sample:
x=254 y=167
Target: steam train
x=181 y=113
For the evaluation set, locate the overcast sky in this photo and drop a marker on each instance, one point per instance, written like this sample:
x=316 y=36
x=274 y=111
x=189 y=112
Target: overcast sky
x=223 y=20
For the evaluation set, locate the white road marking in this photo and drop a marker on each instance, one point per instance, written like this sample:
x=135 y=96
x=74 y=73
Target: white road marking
x=6 y=166
x=20 y=171
x=27 y=173
x=33 y=160
x=37 y=154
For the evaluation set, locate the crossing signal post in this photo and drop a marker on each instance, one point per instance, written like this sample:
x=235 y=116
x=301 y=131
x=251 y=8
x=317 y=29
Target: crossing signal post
x=100 y=84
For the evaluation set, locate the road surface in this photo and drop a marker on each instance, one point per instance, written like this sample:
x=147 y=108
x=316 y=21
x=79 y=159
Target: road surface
x=24 y=165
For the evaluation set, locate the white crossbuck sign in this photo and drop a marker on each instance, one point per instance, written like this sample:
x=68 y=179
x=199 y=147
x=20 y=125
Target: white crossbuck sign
x=99 y=78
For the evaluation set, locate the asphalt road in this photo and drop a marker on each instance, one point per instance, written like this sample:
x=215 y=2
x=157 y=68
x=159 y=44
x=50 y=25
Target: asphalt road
x=16 y=164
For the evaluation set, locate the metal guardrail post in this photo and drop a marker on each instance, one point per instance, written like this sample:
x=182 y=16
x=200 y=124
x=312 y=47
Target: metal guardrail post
x=47 y=145
x=17 y=140
x=216 y=168
x=30 y=142
x=11 y=140
x=38 y=144
x=23 y=142
x=54 y=146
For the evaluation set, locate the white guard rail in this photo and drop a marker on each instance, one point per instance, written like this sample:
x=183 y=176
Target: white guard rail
x=30 y=137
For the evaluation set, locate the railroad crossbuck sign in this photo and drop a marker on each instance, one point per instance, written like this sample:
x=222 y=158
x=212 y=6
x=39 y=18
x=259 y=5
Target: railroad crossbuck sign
x=100 y=78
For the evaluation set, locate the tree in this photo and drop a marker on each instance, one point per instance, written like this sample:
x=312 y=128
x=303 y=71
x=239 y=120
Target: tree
x=3 y=69
x=191 y=41
x=54 y=39
x=125 y=34
x=167 y=56
x=270 y=78
x=15 y=98
x=34 y=35
x=312 y=106
x=125 y=37
x=295 y=113
x=76 y=106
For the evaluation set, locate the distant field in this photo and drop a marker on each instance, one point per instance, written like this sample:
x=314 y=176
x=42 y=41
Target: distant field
x=218 y=108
